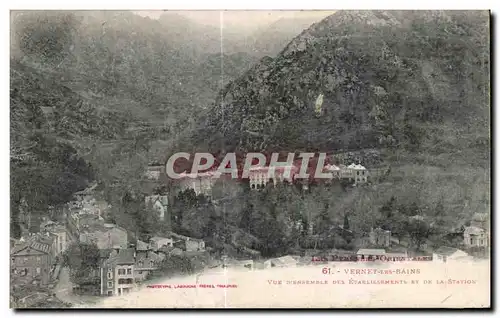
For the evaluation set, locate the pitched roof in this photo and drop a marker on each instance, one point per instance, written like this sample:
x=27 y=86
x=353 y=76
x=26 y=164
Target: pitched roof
x=159 y=238
x=40 y=243
x=142 y=246
x=19 y=247
x=126 y=256
x=104 y=253
x=284 y=260
x=447 y=251
x=473 y=230
x=332 y=168
x=183 y=237
x=143 y=261
x=163 y=199
x=356 y=167
x=367 y=251
x=166 y=249
x=88 y=190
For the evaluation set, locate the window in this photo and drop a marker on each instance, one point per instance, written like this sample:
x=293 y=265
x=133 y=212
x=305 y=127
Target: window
x=110 y=284
x=129 y=271
x=481 y=242
x=110 y=275
x=121 y=271
x=110 y=293
x=25 y=259
x=471 y=241
x=122 y=281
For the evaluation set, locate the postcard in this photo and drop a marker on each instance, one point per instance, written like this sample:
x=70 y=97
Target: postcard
x=250 y=159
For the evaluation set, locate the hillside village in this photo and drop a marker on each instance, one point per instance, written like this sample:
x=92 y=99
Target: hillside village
x=125 y=262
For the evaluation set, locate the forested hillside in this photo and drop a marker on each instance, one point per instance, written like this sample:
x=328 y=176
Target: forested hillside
x=94 y=94
x=413 y=86
x=99 y=95
x=388 y=79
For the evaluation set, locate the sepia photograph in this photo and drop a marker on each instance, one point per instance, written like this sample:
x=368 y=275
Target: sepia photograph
x=250 y=159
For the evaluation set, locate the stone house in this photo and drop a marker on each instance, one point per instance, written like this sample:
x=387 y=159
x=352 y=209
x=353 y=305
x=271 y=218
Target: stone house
x=186 y=243
x=61 y=240
x=475 y=237
x=117 y=273
x=157 y=242
x=145 y=264
x=33 y=258
x=105 y=236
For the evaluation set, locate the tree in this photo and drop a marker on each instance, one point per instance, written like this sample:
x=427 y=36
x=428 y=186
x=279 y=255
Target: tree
x=399 y=227
x=324 y=221
x=15 y=229
x=147 y=219
x=246 y=217
x=81 y=255
x=419 y=231
x=82 y=259
x=183 y=201
x=388 y=208
x=346 y=222
x=414 y=209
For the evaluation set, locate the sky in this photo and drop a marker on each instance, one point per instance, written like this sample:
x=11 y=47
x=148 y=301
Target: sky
x=245 y=20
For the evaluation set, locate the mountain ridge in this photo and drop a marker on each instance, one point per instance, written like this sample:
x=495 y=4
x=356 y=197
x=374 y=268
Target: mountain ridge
x=376 y=81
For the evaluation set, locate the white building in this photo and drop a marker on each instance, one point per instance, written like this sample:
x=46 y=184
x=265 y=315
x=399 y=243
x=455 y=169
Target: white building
x=359 y=173
x=334 y=170
x=117 y=273
x=159 y=203
x=155 y=243
x=475 y=237
x=153 y=172
x=259 y=177
x=445 y=253
x=285 y=261
x=201 y=183
x=60 y=235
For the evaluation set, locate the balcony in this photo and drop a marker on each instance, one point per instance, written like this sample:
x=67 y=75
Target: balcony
x=125 y=282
